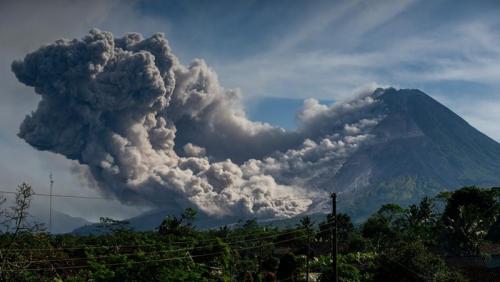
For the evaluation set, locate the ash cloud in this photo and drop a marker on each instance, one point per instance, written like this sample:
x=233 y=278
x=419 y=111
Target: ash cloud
x=150 y=129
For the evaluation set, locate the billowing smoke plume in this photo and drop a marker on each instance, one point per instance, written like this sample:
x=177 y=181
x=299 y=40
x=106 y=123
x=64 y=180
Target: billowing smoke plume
x=151 y=129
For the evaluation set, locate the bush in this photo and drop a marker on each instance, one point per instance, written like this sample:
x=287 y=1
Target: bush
x=412 y=261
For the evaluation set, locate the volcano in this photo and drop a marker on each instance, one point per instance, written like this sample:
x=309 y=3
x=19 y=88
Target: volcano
x=151 y=131
x=421 y=148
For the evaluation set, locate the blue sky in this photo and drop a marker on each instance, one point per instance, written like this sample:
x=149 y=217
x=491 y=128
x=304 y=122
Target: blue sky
x=327 y=49
x=276 y=52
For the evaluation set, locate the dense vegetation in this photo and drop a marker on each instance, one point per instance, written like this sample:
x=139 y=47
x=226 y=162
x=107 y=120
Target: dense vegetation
x=393 y=244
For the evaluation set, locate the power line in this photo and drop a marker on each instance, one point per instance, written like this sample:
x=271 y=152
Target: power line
x=146 y=245
x=174 y=250
x=231 y=243
x=103 y=198
x=328 y=221
x=424 y=277
x=158 y=260
x=57 y=195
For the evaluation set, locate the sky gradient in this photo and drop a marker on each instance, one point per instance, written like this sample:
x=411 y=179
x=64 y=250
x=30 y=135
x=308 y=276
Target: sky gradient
x=277 y=54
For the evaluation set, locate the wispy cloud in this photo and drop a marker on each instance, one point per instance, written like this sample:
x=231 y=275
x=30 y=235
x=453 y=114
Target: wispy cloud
x=464 y=53
x=358 y=43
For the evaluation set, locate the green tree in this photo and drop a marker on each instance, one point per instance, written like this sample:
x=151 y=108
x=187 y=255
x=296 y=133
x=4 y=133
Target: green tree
x=348 y=237
x=352 y=267
x=287 y=267
x=188 y=216
x=422 y=214
x=420 y=221
x=412 y=261
x=179 y=226
x=17 y=228
x=344 y=226
x=469 y=214
x=384 y=227
x=270 y=266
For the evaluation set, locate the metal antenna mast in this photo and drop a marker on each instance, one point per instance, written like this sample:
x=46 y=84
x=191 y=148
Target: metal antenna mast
x=50 y=202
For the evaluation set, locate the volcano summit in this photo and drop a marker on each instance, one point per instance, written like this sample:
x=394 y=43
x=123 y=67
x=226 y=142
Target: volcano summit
x=149 y=130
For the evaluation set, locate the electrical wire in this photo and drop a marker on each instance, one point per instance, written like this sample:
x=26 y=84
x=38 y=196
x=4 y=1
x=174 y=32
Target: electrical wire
x=103 y=198
x=328 y=221
x=142 y=245
x=175 y=250
x=165 y=259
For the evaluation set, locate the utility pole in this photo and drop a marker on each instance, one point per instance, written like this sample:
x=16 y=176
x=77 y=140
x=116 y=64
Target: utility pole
x=308 y=252
x=261 y=254
x=334 y=237
x=50 y=202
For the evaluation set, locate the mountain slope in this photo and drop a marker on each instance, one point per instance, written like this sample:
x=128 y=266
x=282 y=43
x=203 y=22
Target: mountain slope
x=421 y=148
